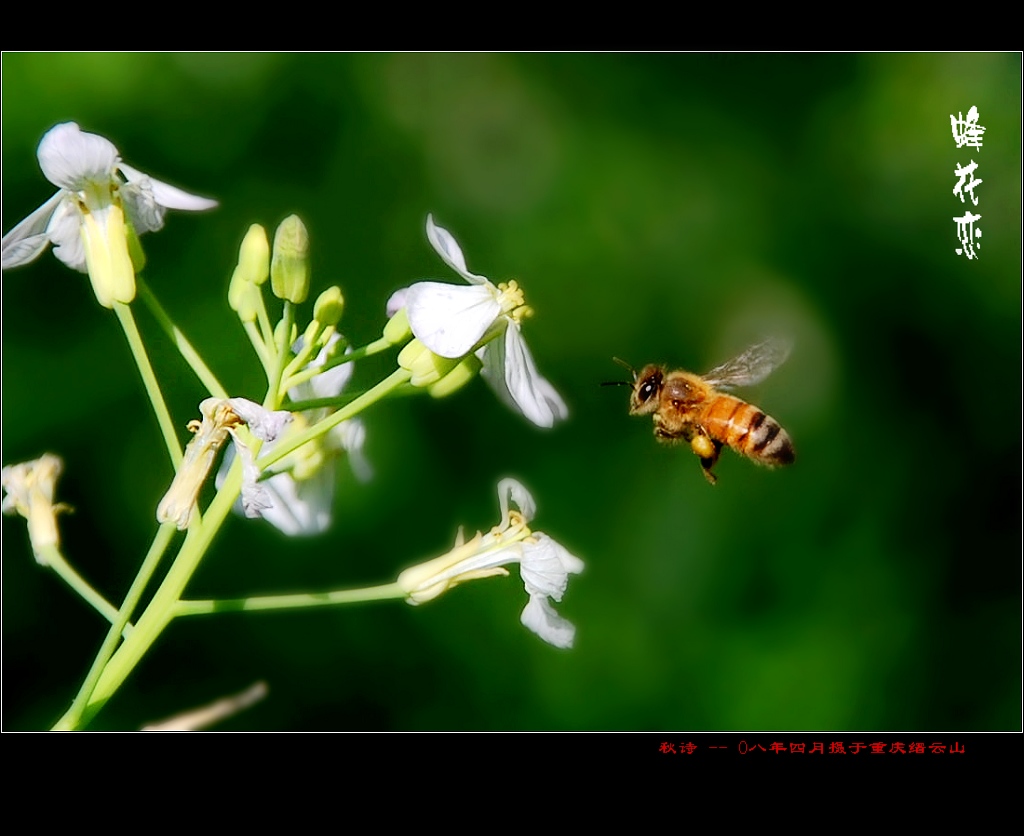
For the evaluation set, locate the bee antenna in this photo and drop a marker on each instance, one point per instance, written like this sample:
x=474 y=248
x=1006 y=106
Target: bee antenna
x=627 y=367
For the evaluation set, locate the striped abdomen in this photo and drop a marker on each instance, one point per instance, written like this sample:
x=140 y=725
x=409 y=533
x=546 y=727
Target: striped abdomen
x=747 y=430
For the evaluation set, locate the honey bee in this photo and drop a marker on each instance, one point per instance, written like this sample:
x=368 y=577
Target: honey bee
x=689 y=408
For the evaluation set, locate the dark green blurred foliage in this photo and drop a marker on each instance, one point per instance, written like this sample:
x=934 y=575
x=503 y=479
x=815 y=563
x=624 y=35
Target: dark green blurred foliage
x=658 y=208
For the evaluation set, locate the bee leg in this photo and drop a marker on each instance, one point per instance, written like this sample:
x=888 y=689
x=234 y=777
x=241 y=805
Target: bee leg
x=708 y=451
x=707 y=464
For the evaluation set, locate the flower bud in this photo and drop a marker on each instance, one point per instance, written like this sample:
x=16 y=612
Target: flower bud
x=252 y=270
x=243 y=297
x=282 y=337
x=254 y=256
x=329 y=307
x=289 y=267
x=310 y=335
x=458 y=377
x=397 y=331
x=427 y=368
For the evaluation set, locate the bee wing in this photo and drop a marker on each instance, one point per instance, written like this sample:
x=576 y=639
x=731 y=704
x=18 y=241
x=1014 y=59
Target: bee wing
x=752 y=366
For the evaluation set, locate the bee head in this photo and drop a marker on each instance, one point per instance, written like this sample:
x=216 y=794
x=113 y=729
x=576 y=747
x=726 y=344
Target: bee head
x=646 y=390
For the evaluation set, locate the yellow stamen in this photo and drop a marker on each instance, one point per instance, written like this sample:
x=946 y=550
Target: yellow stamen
x=513 y=301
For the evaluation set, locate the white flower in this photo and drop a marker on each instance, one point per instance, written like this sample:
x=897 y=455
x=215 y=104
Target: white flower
x=452 y=321
x=29 y=492
x=544 y=566
x=298 y=500
x=85 y=220
x=221 y=418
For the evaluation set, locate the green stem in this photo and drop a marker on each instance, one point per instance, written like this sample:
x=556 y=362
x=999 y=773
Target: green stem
x=111 y=668
x=368 y=350
x=258 y=345
x=287 y=445
x=52 y=557
x=206 y=377
x=264 y=318
x=318 y=403
x=300 y=359
x=131 y=332
x=161 y=609
x=291 y=602
x=74 y=715
x=283 y=344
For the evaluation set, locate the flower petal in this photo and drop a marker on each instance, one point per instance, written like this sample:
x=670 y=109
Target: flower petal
x=141 y=207
x=449 y=250
x=147 y=200
x=512 y=489
x=263 y=423
x=396 y=301
x=511 y=372
x=540 y=617
x=450 y=319
x=168 y=196
x=546 y=567
x=255 y=497
x=351 y=436
x=328 y=384
x=65 y=232
x=297 y=508
x=28 y=239
x=301 y=508
x=72 y=159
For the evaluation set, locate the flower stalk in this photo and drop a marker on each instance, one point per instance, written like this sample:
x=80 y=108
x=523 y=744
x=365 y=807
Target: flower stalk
x=75 y=717
x=307 y=600
x=156 y=398
x=380 y=391
x=444 y=336
x=52 y=557
x=180 y=341
x=160 y=611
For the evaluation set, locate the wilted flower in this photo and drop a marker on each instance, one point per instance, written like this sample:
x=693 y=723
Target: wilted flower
x=30 y=488
x=87 y=220
x=544 y=566
x=452 y=321
x=221 y=418
x=299 y=498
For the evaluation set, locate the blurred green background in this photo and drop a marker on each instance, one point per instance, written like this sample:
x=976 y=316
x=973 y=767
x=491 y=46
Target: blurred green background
x=658 y=208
